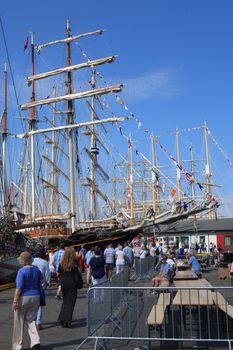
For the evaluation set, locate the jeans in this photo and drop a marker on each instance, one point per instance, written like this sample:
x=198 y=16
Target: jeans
x=39 y=316
x=39 y=313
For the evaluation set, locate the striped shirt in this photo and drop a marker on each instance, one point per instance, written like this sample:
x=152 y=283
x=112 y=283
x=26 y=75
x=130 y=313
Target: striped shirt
x=109 y=255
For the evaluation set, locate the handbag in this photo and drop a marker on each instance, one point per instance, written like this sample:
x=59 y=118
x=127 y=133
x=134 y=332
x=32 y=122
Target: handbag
x=42 y=295
x=78 y=281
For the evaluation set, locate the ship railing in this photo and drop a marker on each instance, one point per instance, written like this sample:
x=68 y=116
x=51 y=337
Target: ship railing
x=187 y=316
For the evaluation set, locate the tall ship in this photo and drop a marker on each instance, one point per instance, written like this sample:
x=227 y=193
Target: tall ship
x=73 y=183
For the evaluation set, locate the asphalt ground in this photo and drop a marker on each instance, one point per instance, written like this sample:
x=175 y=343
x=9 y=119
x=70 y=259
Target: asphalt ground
x=53 y=336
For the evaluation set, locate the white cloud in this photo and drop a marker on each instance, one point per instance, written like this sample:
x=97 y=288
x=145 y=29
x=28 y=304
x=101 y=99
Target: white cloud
x=158 y=84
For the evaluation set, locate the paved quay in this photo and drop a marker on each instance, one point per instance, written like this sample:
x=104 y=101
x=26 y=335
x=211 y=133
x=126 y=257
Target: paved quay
x=54 y=337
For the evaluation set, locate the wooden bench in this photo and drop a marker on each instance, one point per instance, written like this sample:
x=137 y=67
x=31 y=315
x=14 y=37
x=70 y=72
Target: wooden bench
x=185 y=275
x=222 y=303
x=193 y=297
x=205 y=282
x=156 y=316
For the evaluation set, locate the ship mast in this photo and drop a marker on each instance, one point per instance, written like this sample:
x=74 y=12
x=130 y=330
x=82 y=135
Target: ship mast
x=131 y=183
x=114 y=191
x=53 y=179
x=32 y=128
x=4 y=138
x=70 y=133
x=207 y=169
x=70 y=126
x=178 y=159
x=144 y=184
x=94 y=152
x=26 y=180
x=155 y=179
x=192 y=172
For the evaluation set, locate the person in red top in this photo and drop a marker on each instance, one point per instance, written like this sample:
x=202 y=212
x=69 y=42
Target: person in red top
x=80 y=260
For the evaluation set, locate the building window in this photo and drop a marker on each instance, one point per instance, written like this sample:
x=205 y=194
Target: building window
x=202 y=239
x=185 y=241
x=228 y=241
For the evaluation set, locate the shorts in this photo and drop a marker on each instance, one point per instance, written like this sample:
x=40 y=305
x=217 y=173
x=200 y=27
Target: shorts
x=109 y=267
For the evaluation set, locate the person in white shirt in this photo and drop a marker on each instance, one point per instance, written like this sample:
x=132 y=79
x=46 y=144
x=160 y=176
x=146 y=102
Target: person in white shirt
x=171 y=260
x=120 y=260
x=152 y=250
x=51 y=261
x=143 y=252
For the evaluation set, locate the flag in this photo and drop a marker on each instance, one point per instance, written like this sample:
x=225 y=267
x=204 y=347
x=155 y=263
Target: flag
x=173 y=192
x=26 y=44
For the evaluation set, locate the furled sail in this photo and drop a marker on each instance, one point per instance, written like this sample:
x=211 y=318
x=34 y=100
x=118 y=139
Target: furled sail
x=71 y=68
x=69 y=97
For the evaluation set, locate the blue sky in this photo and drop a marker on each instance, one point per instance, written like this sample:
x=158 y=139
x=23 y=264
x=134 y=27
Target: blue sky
x=176 y=58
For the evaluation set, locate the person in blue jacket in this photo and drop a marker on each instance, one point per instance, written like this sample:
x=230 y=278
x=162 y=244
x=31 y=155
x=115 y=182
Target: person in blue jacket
x=193 y=262
x=163 y=274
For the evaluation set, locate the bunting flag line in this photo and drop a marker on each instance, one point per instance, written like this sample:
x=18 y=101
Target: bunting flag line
x=219 y=148
x=164 y=185
x=25 y=44
x=173 y=192
x=189 y=177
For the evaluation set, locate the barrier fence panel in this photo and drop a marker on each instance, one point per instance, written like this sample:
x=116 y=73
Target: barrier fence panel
x=103 y=301
x=144 y=268
x=200 y=315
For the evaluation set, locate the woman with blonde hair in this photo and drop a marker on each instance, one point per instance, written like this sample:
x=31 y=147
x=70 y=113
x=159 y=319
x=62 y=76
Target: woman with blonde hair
x=70 y=278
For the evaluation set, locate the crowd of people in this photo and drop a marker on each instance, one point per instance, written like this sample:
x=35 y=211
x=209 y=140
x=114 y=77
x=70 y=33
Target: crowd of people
x=65 y=267
x=169 y=266
x=68 y=268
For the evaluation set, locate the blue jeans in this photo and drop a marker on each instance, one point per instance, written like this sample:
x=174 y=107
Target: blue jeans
x=39 y=316
x=39 y=313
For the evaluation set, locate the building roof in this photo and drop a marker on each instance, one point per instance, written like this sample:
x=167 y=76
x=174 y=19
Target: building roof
x=221 y=225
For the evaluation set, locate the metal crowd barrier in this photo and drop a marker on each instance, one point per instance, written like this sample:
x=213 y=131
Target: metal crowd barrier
x=188 y=315
x=144 y=268
x=103 y=302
